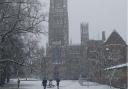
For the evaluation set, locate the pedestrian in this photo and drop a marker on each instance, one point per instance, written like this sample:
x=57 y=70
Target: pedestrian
x=18 y=82
x=44 y=83
x=50 y=83
x=57 y=83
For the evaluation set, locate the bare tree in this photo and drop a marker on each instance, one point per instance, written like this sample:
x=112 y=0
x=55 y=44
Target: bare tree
x=20 y=17
x=17 y=17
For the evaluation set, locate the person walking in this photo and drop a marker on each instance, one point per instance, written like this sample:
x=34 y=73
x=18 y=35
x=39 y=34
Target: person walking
x=44 y=83
x=57 y=83
x=18 y=82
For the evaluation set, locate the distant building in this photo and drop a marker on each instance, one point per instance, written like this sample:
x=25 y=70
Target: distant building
x=115 y=50
x=84 y=59
x=115 y=61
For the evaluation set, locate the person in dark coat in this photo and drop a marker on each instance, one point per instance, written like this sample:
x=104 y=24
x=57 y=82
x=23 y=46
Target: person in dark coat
x=18 y=82
x=44 y=83
x=57 y=83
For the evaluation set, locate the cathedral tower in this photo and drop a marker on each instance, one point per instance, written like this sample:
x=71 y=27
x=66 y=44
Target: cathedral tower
x=84 y=33
x=58 y=23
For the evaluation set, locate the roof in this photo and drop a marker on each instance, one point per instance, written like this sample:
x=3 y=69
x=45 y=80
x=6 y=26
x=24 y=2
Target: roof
x=117 y=66
x=95 y=44
x=115 y=38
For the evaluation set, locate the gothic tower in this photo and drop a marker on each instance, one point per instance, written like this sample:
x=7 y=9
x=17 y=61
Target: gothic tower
x=84 y=34
x=58 y=22
x=84 y=47
x=58 y=37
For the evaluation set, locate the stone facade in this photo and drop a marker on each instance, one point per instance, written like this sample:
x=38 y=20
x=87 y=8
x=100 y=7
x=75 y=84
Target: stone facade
x=115 y=50
x=58 y=22
x=73 y=56
x=87 y=59
x=58 y=37
x=84 y=33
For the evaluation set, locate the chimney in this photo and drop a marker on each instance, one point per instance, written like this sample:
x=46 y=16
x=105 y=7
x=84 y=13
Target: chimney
x=103 y=36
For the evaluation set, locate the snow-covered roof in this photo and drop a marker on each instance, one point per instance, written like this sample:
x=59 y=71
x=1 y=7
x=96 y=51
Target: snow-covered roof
x=117 y=66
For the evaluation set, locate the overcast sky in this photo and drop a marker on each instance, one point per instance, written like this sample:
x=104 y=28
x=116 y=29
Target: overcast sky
x=100 y=14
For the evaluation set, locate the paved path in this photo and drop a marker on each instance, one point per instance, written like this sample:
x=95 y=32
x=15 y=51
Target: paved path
x=63 y=85
x=23 y=85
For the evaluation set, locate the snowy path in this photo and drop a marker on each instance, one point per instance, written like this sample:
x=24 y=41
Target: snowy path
x=63 y=85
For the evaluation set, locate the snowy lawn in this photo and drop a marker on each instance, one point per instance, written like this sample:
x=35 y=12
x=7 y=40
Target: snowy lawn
x=66 y=84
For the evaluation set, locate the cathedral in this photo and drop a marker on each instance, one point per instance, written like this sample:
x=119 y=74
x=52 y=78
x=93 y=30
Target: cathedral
x=88 y=59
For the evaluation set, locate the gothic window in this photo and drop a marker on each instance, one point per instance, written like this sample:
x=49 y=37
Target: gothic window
x=64 y=6
x=92 y=55
x=84 y=31
x=61 y=20
x=57 y=21
x=58 y=3
x=65 y=21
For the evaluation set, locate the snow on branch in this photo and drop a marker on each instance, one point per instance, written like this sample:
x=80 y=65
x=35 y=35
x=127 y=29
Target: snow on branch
x=117 y=66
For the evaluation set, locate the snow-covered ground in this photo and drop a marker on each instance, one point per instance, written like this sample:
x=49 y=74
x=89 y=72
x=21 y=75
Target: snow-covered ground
x=66 y=84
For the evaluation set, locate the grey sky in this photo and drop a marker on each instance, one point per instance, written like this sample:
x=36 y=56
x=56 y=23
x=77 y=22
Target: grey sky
x=100 y=14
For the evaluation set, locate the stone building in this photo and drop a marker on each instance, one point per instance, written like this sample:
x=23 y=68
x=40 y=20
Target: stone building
x=115 y=56
x=91 y=53
x=115 y=49
x=58 y=22
x=73 y=56
x=88 y=59
x=58 y=37
x=115 y=62
x=94 y=58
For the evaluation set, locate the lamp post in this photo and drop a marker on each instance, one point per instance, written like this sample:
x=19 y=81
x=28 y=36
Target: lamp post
x=43 y=67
